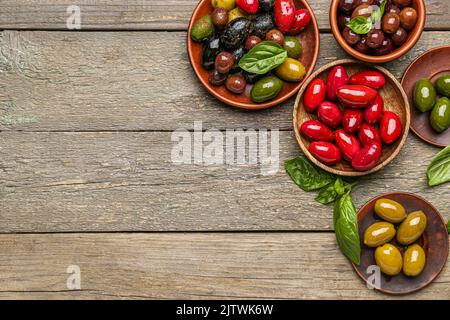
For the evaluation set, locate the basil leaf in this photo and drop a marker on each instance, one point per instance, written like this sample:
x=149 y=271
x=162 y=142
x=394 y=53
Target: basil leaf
x=439 y=169
x=306 y=175
x=360 y=25
x=448 y=226
x=327 y=194
x=339 y=186
x=378 y=14
x=346 y=228
x=264 y=57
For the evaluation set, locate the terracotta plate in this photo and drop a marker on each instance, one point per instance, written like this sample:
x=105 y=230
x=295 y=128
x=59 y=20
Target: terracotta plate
x=434 y=241
x=309 y=38
x=431 y=65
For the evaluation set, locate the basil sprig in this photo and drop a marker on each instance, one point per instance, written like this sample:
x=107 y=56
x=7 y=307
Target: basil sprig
x=438 y=171
x=331 y=189
x=263 y=57
x=448 y=226
x=363 y=25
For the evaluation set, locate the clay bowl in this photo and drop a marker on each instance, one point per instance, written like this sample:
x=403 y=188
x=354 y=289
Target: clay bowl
x=412 y=39
x=434 y=241
x=309 y=38
x=430 y=65
x=394 y=100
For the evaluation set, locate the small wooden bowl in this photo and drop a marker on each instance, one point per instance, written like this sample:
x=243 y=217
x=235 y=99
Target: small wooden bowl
x=412 y=39
x=394 y=100
x=430 y=65
x=309 y=38
x=434 y=241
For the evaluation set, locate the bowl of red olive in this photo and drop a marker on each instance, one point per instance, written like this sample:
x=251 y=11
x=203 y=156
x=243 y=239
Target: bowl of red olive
x=377 y=31
x=253 y=54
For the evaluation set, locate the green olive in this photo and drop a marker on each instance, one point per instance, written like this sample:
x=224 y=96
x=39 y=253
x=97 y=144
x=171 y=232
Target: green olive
x=389 y=259
x=379 y=233
x=293 y=47
x=266 y=88
x=390 y=210
x=291 y=70
x=413 y=260
x=443 y=85
x=412 y=228
x=424 y=95
x=440 y=116
x=202 y=29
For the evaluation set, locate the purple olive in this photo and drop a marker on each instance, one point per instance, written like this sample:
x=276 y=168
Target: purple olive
x=386 y=47
x=362 y=46
x=343 y=20
x=375 y=38
x=347 y=6
x=216 y=78
x=399 y=37
x=350 y=37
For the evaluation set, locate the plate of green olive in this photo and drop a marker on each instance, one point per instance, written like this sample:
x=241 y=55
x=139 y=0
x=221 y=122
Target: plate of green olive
x=427 y=84
x=404 y=243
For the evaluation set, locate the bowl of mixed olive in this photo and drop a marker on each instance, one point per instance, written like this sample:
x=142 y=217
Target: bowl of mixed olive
x=404 y=242
x=377 y=31
x=253 y=54
x=427 y=84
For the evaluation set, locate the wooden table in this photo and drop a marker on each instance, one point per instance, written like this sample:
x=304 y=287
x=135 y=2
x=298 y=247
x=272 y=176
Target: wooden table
x=86 y=176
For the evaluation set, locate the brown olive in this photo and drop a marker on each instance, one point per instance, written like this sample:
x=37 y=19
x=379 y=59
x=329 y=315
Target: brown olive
x=399 y=37
x=364 y=10
x=236 y=83
x=360 y=2
x=251 y=42
x=347 y=6
x=275 y=36
x=217 y=78
x=224 y=62
x=391 y=8
x=401 y=3
x=219 y=17
x=343 y=20
x=408 y=18
x=350 y=37
x=375 y=38
x=390 y=22
x=362 y=46
x=386 y=47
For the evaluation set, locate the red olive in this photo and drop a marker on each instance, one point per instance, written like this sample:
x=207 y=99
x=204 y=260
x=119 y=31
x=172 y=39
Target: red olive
x=251 y=42
x=408 y=18
x=314 y=95
x=352 y=120
x=373 y=79
x=375 y=38
x=402 y=3
x=374 y=112
x=316 y=131
x=362 y=46
x=347 y=143
x=347 y=6
x=336 y=79
x=390 y=22
x=350 y=37
x=248 y=6
x=216 y=78
x=368 y=134
x=386 y=47
x=219 y=17
x=360 y=2
x=356 y=96
x=364 y=10
x=325 y=152
x=367 y=158
x=284 y=12
x=275 y=36
x=390 y=127
x=329 y=114
x=399 y=37
x=301 y=21
x=236 y=83
x=392 y=8
x=224 y=62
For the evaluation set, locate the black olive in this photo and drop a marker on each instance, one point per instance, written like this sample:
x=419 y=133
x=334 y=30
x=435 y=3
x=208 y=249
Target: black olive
x=236 y=32
x=211 y=48
x=237 y=54
x=266 y=5
x=262 y=24
x=252 y=78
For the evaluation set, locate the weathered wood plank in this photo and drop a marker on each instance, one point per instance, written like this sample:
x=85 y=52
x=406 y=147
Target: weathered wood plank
x=147 y=14
x=126 y=81
x=125 y=181
x=180 y=266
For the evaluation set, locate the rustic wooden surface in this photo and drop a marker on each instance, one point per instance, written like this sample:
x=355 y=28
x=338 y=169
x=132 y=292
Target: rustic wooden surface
x=86 y=176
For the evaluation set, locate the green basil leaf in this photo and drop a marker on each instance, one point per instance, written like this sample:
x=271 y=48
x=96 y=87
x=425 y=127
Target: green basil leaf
x=264 y=57
x=306 y=175
x=448 y=226
x=360 y=25
x=378 y=14
x=439 y=169
x=327 y=194
x=346 y=228
x=339 y=186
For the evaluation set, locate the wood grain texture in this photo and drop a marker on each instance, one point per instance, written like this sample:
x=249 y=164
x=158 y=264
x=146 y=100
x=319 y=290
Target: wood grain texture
x=147 y=14
x=126 y=181
x=186 y=266
x=88 y=81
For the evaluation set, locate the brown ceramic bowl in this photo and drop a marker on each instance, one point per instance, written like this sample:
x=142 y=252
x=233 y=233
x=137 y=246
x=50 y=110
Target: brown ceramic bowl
x=434 y=241
x=412 y=39
x=430 y=65
x=309 y=38
x=394 y=100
